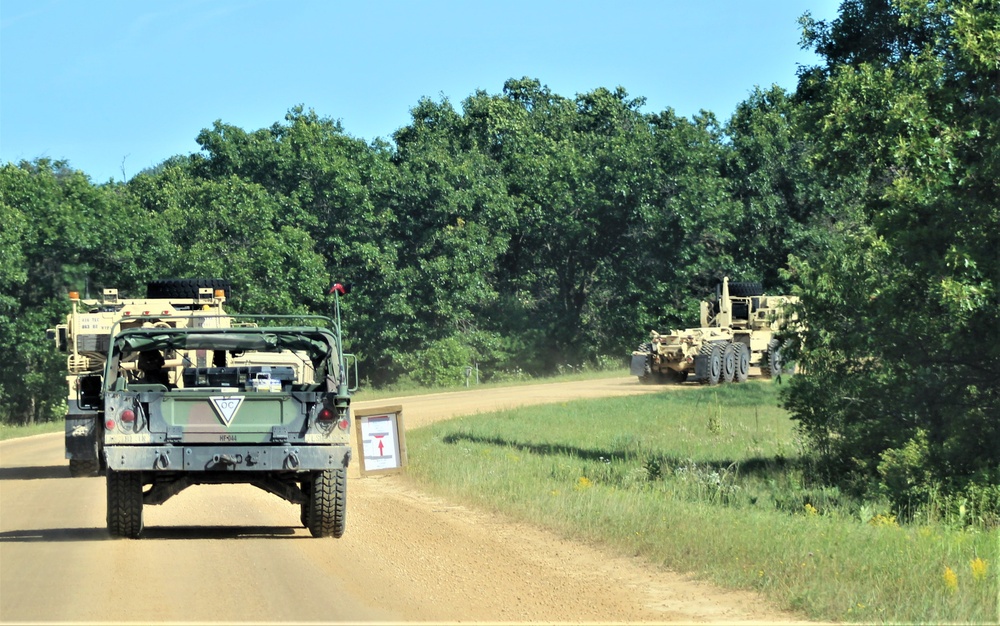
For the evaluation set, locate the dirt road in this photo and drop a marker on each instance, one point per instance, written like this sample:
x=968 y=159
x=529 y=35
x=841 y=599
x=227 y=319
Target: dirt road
x=231 y=553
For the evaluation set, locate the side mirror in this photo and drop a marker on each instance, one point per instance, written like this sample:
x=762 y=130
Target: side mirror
x=89 y=392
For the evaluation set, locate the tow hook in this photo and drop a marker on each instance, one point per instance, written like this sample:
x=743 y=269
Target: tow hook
x=162 y=461
x=225 y=459
x=292 y=460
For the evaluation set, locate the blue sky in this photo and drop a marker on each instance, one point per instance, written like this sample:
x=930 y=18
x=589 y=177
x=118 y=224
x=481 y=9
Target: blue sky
x=115 y=85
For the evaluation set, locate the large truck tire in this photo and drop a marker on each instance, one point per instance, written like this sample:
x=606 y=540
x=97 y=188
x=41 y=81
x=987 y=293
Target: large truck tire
x=771 y=363
x=184 y=288
x=746 y=289
x=742 y=362
x=713 y=353
x=124 y=504
x=729 y=361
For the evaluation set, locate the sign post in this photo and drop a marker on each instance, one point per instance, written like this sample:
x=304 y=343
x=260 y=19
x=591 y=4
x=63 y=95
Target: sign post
x=381 y=440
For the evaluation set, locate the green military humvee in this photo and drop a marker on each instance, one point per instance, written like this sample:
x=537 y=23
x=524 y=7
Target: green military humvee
x=235 y=403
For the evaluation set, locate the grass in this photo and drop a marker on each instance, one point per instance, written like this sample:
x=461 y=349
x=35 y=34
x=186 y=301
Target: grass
x=9 y=431
x=711 y=482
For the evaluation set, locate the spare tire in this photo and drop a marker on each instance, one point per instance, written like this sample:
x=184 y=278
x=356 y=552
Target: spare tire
x=184 y=288
x=745 y=290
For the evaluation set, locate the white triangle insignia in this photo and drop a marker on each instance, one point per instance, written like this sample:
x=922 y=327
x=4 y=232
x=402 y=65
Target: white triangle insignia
x=226 y=407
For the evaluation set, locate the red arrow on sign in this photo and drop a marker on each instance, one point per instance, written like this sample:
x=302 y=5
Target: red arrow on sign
x=380 y=448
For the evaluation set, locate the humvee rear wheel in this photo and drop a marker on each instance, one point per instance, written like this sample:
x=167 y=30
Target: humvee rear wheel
x=83 y=468
x=124 y=504
x=742 y=362
x=729 y=363
x=326 y=511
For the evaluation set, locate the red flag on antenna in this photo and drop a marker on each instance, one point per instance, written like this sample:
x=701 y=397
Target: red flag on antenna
x=340 y=288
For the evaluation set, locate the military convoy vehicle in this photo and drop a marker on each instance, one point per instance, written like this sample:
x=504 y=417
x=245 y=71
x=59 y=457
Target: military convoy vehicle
x=737 y=332
x=191 y=395
x=86 y=336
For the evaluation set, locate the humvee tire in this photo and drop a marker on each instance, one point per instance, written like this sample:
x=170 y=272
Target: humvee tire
x=124 y=504
x=326 y=514
x=78 y=469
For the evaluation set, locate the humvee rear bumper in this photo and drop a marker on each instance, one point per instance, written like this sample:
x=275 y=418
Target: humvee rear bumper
x=247 y=458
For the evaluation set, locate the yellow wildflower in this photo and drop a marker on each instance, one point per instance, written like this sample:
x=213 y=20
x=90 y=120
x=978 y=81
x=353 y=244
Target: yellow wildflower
x=978 y=569
x=950 y=580
x=583 y=483
x=883 y=520
x=810 y=509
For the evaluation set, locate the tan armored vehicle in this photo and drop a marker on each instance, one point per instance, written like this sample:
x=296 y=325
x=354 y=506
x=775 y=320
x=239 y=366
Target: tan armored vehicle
x=737 y=333
x=86 y=339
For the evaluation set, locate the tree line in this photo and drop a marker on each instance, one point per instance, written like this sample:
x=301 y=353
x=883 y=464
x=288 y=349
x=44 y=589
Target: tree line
x=524 y=230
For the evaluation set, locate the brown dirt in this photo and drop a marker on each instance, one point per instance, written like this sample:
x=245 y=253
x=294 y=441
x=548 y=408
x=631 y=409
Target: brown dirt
x=234 y=554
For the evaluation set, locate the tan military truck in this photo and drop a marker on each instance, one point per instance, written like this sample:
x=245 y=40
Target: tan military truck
x=737 y=332
x=85 y=338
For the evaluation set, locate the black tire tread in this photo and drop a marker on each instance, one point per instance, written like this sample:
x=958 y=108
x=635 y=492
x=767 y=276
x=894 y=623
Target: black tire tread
x=326 y=514
x=79 y=469
x=184 y=288
x=742 y=363
x=746 y=289
x=124 y=504
x=729 y=362
x=713 y=351
x=770 y=361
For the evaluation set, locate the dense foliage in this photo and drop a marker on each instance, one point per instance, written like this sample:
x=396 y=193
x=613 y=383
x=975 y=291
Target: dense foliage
x=902 y=304
x=525 y=231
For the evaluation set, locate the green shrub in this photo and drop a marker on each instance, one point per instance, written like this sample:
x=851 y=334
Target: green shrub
x=440 y=364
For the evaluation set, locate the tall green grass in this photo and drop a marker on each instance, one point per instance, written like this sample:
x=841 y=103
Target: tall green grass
x=712 y=482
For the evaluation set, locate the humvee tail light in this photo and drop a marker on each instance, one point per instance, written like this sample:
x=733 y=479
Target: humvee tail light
x=110 y=424
x=343 y=423
x=128 y=416
x=325 y=415
x=74 y=295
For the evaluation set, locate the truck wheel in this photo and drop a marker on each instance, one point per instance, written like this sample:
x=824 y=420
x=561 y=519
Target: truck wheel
x=124 y=504
x=742 y=362
x=327 y=507
x=648 y=377
x=770 y=363
x=78 y=469
x=729 y=363
x=713 y=352
x=184 y=288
